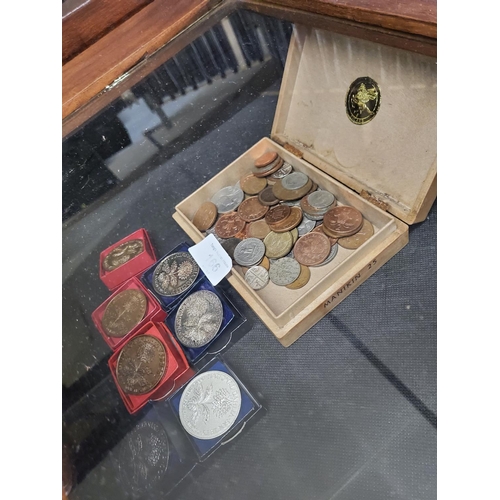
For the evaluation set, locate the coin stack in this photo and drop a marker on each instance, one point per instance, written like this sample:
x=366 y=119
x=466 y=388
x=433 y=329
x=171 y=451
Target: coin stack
x=284 y=225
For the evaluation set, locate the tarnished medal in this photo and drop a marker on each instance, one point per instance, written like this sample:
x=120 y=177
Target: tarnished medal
x=175 y=274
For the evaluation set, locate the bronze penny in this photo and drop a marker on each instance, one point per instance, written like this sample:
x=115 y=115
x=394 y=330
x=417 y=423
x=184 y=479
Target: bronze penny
x=357 y=239
x=278 y=244
x=266 y=197
x=319 y=229
x=266 y=172
x=265 y=159
x=141 y=364
x=250 y=184
x=123 y=312
x=342 y=221
x=229 y=225
x=291 y=222
x=303 y=279
x=205 y=216
x=312 y=249
x=243 y=233
x=122 y=254
x=291 y=194
x=258 y=229
x=277 y=214
x=252 y=209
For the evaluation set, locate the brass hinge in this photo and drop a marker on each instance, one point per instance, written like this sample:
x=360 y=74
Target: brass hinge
x=374 y=201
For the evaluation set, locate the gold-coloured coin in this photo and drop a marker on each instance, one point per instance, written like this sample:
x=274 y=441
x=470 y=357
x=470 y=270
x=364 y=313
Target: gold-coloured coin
x=356 y=240
x=122 y=254
x=304 y=276
x=250 y=184
x=278 y=244
x=295 y=234
x=265 y=263
x=124 y=312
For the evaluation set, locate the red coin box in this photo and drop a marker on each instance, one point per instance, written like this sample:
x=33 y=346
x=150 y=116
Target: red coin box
x=134 y=267
x=177 y=365
x=153 y=313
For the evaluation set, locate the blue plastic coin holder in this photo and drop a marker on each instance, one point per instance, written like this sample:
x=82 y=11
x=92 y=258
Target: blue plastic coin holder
x=168 y=303
x=250 y=407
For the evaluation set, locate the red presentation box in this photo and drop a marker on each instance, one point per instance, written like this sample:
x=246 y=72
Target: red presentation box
x=134 y=267
x=153 y=313
x=176 y=368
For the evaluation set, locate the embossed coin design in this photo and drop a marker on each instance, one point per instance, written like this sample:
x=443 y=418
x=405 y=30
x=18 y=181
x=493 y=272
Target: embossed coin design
x=312 y=249
x=319 y=229
x=252 y=209
x=257 y=277
x=229 y=225
x=141 y=365
x=278 y=244
x=289 y=223
x=175 y=274
x=123 y=312
x=144 y=456
x=250 y=184
x=249 y=252
x=205 y=216
x=122 y=254
x=357 y=239
x=227 y=199
x=198 y=319
x=363 y=100
x=277 y=214
x=342 y=221
x=210 y=405
x=295 y=180
x=284 y=271
x=284 y=170
x=321 y=199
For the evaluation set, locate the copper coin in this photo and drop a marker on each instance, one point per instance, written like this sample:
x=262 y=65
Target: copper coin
x=277 y=214
x=319 y=229
x=252 y=209
x=243 y=233
x=291 y=222
x=357 y=239
x=342 y=221
x=123 y=312
x=266 y=172
x=258 y=229
x=303 y=279
x=205 y=216
x=291 y=194
x=229 y=225
x=265 y=159
x=266 y=197
x=122 y=254
x=141 y=364
x=312 y=249
x=250 y=184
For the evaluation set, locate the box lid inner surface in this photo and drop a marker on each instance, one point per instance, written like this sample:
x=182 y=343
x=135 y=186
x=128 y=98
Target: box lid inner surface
x=393 y=156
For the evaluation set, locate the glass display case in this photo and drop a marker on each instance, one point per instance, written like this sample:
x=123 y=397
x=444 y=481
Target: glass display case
x=345 y=409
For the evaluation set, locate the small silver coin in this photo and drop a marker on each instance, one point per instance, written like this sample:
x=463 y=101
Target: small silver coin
x=284 y=271
x=227 y=199
x=321 y=199
x=331 y=256
x=295 y=203
x=249 y=252
x=305 y=226
x=283 y=171
x=314 y=217
x=210 y=405
x=295 y=180
x=198 y=319
x=257 y=277
x=175 y=274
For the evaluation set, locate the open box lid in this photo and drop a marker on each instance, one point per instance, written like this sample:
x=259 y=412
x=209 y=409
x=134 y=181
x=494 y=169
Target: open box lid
x=393 y=156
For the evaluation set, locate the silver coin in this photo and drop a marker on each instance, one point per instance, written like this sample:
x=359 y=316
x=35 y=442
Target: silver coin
x=320 y=199
x=284 y=271
x=295 y=203
x=212 y=231
x=314 y=217
x=175 y=274
x=257 y=277
x=210 y=405
x=227 y=199
x=283 y=171
x=295 y=180
x=305 y=226
x=249 y=252
x=143 y=456
x=198 y=319
x=331 y=256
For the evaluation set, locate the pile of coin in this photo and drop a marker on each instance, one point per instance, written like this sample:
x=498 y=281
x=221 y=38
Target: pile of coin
x=277 y=223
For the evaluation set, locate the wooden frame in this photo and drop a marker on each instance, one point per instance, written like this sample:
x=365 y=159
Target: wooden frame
x=159 y=29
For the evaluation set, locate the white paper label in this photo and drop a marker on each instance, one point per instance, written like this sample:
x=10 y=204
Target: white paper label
x=213 y=260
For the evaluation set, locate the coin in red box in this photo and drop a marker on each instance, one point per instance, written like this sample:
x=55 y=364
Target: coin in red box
x=128 y=257
x=145 y=364
x=125 y=311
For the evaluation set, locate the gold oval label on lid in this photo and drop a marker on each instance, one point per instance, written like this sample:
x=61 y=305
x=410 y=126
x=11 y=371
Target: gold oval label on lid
x=363 y=100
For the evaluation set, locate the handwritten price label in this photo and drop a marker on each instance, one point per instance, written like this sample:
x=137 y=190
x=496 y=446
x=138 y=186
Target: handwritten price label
x=213 y=260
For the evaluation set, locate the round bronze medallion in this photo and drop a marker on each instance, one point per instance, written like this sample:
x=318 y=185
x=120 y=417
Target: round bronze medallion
x=123 y=312
x=141 y=364
x=363 y=100
x=122 y=254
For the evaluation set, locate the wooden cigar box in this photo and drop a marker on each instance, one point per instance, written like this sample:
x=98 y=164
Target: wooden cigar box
x=386 y=167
